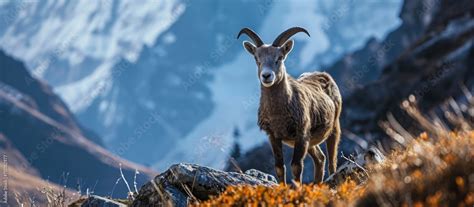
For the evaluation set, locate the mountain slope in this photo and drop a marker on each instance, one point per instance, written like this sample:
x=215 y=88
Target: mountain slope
x=43 y=139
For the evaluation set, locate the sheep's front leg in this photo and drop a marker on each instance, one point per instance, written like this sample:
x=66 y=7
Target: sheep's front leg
x=279 y=161
x=299 y=153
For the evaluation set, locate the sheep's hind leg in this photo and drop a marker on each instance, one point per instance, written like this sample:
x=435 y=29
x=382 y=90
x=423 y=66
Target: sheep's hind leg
x=299 y=153
x=319 y=160
x=331 y=145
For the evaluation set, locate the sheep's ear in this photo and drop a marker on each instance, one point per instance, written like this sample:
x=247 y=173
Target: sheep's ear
x=287 y=47
x=249 y=47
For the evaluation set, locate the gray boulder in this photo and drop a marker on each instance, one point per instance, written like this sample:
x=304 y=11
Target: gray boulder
x=97 y=201
x=354 y=168
x=184 y=183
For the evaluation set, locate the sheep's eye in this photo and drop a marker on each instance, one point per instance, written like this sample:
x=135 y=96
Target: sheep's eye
x=279 y=59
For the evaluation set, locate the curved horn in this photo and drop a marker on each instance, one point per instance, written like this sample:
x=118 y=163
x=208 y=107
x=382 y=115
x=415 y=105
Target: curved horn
x=255 y=38
x=284 y=36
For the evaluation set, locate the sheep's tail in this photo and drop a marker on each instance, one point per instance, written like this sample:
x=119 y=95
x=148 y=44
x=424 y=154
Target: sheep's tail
x=331 y=89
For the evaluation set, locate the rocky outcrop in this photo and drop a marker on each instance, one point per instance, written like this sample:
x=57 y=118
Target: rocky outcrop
x=183 y=183
x=97 y=201
x=354 y=168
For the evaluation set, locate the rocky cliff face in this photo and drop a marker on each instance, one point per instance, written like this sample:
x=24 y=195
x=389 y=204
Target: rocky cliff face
x=430 y=56
x=434 y=68
x=40 y=137
x=365 y=65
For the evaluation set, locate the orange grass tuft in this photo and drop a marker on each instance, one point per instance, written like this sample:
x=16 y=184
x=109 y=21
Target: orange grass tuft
x=428 y=171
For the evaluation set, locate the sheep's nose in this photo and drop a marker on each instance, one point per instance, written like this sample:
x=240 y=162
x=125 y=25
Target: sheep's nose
x=266 y=75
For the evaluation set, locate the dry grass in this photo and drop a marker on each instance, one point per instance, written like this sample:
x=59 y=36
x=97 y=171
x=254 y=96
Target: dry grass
x=29 y=190
x=435 y=168
x=431 y=172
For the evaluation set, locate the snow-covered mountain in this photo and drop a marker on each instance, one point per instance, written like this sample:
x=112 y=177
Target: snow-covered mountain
x=73 y=45
x=166 y=81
